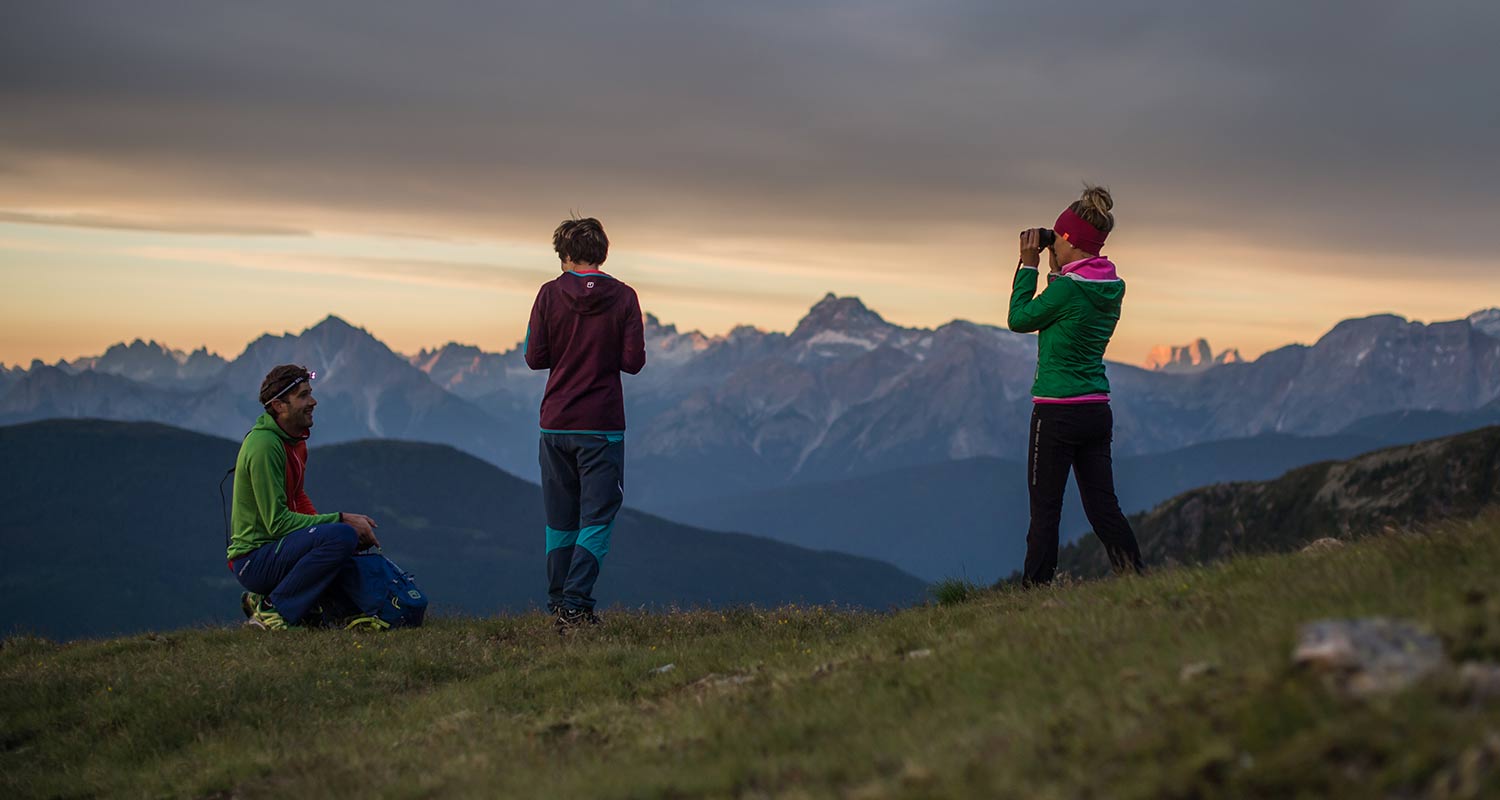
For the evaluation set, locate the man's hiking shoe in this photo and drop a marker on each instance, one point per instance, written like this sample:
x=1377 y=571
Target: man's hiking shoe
x=267 y=618
x=249 y=601
x=367 y=623
x=570 y=618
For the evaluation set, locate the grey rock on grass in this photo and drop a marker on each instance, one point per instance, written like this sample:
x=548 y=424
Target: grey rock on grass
x=1369 y=656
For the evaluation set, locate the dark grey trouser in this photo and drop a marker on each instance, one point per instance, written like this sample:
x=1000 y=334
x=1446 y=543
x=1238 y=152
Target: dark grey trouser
x=1075 y=437
x=583 y=486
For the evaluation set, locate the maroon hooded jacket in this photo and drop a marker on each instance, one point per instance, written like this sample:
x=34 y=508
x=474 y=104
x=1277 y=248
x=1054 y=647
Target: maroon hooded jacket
x=586 y=327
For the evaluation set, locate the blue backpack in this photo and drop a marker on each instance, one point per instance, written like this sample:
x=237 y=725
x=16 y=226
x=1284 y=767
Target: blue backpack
x=385 y=591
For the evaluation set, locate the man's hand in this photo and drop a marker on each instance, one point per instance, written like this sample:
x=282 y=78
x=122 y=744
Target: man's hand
x=1031 y=247
x=365 y=527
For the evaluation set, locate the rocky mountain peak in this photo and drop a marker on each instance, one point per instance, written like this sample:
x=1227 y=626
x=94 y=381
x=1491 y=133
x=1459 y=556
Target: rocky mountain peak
x=1194 y=357
x=336 y=333
x=847 y=315
x=1486 y=321
x=452 y=352
x=332 y=323
x=653 y=323
x=153 y=361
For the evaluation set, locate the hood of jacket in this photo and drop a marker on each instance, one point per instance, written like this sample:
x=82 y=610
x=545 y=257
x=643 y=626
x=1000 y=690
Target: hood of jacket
x=266 y=422
x=1097 y=279
x=590 y=293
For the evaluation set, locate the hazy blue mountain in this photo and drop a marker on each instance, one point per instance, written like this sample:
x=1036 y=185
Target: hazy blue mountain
x=156 y=364
x=969 y=517
x=848 y=394
x=364 y=390
x=843 y=395
x=1403 y=427
x=49 y=392
x=112 y=527
x=1402 y=488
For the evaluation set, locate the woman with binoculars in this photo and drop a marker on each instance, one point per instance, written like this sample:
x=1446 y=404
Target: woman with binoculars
x=1071 y=421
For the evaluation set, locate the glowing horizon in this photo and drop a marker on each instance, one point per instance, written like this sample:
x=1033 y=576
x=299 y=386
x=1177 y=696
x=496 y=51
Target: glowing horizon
x=185 y=188
x=482 y=293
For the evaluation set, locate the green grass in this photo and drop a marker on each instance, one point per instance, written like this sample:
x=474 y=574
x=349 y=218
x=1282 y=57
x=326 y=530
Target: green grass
x=952 y=591
x=1065 y=692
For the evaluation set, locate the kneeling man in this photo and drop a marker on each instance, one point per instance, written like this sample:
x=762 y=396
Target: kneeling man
x=281 y=549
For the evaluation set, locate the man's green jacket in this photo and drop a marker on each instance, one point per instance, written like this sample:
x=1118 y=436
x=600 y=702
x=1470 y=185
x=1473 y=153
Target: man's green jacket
x=269 y=501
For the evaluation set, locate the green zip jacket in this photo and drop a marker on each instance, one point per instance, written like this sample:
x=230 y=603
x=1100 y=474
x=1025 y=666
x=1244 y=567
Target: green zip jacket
x=1075 y=316
x=262 y=513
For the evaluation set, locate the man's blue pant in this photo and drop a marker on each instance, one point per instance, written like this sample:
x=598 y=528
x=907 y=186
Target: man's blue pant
x=293 y=571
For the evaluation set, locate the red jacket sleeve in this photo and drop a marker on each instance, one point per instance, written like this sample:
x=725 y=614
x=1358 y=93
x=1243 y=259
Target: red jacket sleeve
x=633 y=358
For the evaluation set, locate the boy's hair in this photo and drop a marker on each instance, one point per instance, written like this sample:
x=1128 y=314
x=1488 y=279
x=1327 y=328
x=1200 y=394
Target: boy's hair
x=581 y=241
x=277 y=379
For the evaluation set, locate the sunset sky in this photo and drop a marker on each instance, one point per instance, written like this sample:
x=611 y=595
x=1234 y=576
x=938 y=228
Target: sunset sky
x=201 y=173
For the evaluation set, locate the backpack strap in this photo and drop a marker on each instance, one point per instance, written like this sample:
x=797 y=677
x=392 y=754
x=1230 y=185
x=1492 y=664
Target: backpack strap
x=224 y=506
x=223 y=503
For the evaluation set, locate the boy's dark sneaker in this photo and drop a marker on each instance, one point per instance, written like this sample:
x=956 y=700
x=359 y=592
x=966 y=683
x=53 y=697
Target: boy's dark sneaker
x=569 y=618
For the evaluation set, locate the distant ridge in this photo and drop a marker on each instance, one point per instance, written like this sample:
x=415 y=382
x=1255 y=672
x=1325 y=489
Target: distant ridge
x=110 y=527
x=1453 y=477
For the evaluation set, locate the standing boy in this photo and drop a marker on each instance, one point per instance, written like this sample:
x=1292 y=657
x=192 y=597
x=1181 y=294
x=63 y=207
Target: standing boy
x=586 y=328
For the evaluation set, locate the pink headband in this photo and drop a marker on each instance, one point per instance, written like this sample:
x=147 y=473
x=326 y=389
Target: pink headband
x=1078 y=232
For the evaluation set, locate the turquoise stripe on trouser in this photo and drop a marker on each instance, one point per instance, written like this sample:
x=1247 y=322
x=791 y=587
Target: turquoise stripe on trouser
x=595 y=539
x=557 y=538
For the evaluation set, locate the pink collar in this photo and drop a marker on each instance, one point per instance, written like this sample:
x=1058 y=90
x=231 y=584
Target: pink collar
x=1093 y=268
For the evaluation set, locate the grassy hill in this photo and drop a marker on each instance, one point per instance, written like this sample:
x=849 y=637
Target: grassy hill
x=1069 y=691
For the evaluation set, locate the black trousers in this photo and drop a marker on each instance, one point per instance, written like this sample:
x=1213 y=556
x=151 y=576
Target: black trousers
x=1076 y=437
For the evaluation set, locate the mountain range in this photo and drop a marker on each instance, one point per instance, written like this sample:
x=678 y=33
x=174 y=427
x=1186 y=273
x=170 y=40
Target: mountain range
x=845 y=393
x=111 y=527
x=747 y=430
x=364 y=391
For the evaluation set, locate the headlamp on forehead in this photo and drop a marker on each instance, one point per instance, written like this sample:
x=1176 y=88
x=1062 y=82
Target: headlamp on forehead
x=299 y=379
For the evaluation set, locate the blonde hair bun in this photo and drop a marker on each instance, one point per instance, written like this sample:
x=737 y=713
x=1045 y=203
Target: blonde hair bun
x=1097 y=197
x=1094 y=207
